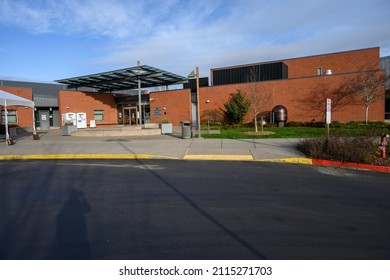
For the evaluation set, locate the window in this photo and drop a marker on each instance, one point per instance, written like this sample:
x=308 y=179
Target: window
x=319 y=71
x=99 y=115
x=12 y=117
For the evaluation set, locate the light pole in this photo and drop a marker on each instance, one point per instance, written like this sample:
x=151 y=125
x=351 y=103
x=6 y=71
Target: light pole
x=191 y=75
x=197 y=98
x=139 y=95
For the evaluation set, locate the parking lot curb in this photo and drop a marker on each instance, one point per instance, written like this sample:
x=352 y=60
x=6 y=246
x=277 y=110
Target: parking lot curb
x=84 y=156
x=288 y=160
x=219 y=157
x=351 y=165
x=298 y=160
x=320 y=162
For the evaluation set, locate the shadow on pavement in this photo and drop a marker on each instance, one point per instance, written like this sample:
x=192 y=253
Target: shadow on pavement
x=205 y=214
x=71 y=241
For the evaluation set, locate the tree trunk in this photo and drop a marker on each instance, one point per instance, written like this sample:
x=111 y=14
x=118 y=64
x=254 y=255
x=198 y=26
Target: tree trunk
x=262 y=126
x=255 y=123
x=366 y=114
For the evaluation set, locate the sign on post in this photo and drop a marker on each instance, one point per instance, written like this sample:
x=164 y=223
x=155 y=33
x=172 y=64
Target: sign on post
x=328 y=110
x=328 y=116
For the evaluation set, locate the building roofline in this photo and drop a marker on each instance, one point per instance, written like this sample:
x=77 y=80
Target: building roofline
x=293 y=58
x=26 y=80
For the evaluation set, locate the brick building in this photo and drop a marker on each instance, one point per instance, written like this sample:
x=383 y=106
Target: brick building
x=292 y=83
x=45 y=97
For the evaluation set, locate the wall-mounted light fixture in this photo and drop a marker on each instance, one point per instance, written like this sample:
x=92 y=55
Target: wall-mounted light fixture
x=207 y=101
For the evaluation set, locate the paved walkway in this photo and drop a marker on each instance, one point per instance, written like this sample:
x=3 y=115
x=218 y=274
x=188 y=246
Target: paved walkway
x=53 y=145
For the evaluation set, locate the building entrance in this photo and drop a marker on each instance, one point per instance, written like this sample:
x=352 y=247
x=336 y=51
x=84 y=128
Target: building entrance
x=130 y=115
x=44 y=120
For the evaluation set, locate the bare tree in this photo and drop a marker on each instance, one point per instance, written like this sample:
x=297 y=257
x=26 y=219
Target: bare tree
x=213 y=116
x=368 y=85
x=260 y=98
x=316 y=101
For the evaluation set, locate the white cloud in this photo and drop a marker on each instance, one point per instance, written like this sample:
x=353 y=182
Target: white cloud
x=110 y=18
x=253 y=31
x=179 y=35
x=23 y=15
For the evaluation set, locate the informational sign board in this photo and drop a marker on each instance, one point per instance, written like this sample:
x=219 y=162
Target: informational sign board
x=328 y=110
x=157 y=113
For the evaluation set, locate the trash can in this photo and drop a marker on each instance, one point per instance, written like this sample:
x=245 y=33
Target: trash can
x=186 y=129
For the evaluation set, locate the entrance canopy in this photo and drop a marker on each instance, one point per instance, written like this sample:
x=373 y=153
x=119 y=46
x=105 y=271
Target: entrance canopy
x=125 y=79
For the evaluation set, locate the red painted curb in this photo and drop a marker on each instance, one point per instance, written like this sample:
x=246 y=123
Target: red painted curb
x=378 y=168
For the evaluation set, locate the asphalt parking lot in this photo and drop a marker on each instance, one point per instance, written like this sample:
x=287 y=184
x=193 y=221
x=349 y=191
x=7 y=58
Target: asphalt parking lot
x=178 y=209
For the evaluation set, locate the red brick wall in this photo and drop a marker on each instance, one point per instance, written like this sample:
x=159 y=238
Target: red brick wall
x=87 y=102
x=293 y=94
x=25 y=118
x=177 y=104
x=289 y=93
x=342 y=62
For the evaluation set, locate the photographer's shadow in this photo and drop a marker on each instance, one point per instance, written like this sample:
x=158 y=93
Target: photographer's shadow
x=71 y=241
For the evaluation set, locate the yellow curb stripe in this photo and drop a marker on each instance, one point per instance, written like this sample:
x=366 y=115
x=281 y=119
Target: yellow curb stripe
x=84 y=156
x=146 y=156
x=289 y=160
x=218 y=157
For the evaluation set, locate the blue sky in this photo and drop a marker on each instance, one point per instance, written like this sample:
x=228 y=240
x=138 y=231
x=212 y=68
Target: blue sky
x=46 y=40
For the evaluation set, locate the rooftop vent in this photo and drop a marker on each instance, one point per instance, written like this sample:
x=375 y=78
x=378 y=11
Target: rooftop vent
x=328 y=72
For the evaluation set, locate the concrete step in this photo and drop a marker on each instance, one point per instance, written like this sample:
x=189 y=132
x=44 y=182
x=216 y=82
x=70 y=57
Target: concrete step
x=131 y=127
x=125 y=131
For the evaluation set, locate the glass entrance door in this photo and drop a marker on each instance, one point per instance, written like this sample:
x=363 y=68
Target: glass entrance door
x=130 y=116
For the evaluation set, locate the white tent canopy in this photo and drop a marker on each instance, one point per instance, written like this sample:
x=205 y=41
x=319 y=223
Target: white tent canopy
x=8 y=99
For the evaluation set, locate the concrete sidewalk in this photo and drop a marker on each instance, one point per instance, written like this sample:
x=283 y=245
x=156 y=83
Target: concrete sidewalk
x=53 y=145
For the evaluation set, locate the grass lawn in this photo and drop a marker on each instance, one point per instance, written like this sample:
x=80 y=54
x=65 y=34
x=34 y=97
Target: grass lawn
x=286 y=132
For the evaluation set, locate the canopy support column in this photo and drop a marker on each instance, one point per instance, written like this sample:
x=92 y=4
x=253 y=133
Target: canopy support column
x=139 y=95
x=6 y=123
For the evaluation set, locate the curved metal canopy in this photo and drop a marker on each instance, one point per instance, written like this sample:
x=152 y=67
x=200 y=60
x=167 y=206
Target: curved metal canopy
x=125 y=79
